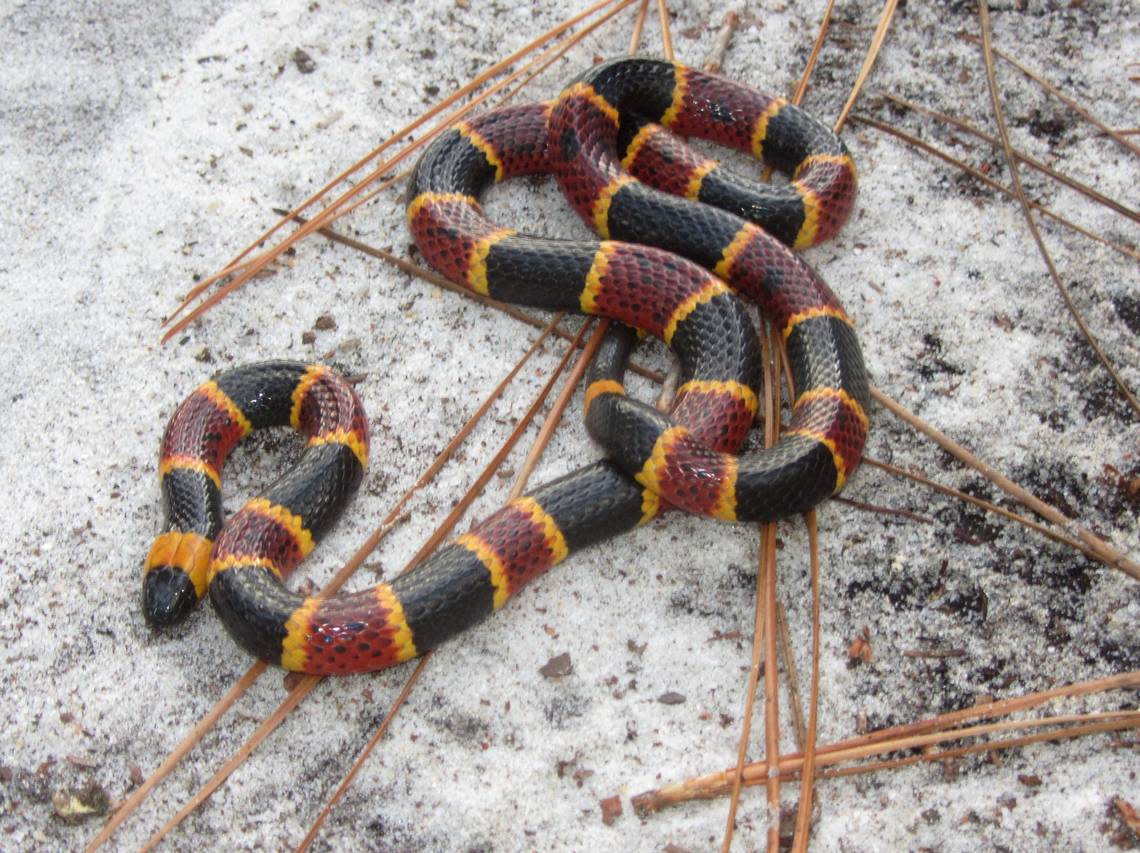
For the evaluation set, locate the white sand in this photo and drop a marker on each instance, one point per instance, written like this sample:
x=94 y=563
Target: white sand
x=143 y=144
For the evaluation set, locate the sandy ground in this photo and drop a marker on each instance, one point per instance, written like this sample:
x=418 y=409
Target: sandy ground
x=144 y=143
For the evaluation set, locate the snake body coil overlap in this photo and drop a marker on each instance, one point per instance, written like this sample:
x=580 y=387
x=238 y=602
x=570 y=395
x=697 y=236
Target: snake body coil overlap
x=670 y=263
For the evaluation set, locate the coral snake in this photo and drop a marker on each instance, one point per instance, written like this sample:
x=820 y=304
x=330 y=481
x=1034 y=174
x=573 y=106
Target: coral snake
x=670 y=262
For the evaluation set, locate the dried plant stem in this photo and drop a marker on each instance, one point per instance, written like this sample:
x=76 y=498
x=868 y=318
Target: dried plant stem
x=1115 y=722
x=497 y=460
x=1015 y=177
x=638 y=26
x=788 y=659
x=362 y=757
x=1117 y=136
x=821 y=36
x=766 y=589
x=791 y=766
x=666 y=36
x=915 y=142
x=997 y=708
x=766 y=593
x=557 y=51
x=1106 y=553
x=267 y=726
x=803 y=812
x=474 y=84
x=177 y=754
x=1021 y=156
x=360 y=194
x=877 y=40
x=883 y=510
x=911 y=735
x=714 y=62
x=988 y=506
x=770 y=396
x=737 y=782
x=554 y=418
x=807 y=788
x=669 y=386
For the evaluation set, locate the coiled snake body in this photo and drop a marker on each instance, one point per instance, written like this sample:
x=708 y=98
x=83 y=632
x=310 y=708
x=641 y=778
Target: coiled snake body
x=670 y=262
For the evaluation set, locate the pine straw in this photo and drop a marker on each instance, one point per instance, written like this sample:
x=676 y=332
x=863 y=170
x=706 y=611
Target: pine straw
x=842 y=758
x=921 y=735
x=1015 y=176
x=373 y=183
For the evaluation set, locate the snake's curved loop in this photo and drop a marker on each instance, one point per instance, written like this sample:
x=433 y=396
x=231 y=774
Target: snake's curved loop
x=669 y=262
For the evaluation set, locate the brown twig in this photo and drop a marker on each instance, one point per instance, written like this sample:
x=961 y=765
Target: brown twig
x=791 y=766
x=555 y=417
x=561 y=49
x=788 y=659
x=1015 y=177
x=821 y=36
x=926 y=147
x=766 y=589
x=803 y=812
x=769 y=395
x=936 y=654
x=1021 y=156
x=638 y=26
x=1106 y=553
x=1117 y=136
x=666 y=36
x=267 y=726
x=362 y=757
x=177 y=754
x=714 y=62
x=988 y=506
x=931 y=754
x=767 y=584
x=884 y=510
x=360 y=194
x=909 y=736
x=807 y=787
x=877 y=41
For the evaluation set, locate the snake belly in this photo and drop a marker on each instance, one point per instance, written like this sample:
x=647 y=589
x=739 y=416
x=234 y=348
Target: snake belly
x=668 y=263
